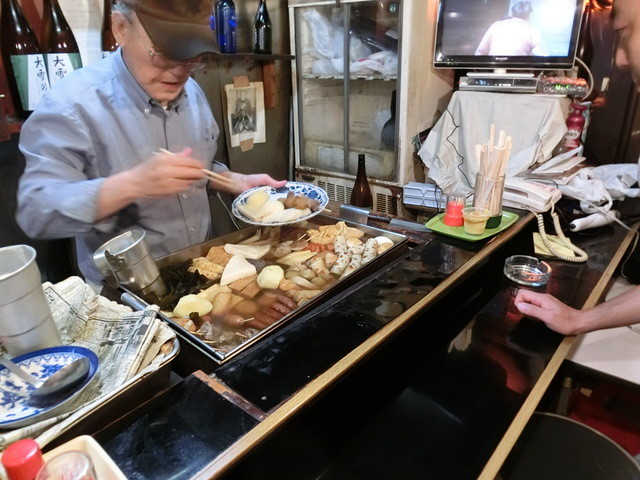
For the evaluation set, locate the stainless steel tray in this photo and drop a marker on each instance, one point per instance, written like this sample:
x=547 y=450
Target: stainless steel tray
x=400 y=245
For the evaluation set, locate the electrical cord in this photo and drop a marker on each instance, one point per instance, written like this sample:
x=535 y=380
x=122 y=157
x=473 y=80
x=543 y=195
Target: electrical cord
x=591 y=80
x=581 y=255
x=228 y=211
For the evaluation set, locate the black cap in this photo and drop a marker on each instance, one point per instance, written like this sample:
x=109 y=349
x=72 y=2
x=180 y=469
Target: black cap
x=178 y=28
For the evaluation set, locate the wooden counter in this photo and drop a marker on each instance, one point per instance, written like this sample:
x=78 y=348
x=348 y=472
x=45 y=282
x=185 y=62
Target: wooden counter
x=444 y=384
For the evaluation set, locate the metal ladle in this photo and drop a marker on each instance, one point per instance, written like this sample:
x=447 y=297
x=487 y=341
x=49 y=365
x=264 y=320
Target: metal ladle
x=56 y=387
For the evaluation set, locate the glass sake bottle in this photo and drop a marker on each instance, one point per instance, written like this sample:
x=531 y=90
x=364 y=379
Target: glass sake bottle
x=107 y=38
x=23 y=60
x=58 y=43
x=225 y=24
x=262 y=29
x=361 y=192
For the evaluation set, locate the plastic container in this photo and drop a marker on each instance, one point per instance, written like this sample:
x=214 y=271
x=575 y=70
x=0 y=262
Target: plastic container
x=26 y=324
x=103 y=465
x=527 y=270
x=475 y=220
x=453 y=211
x=71 y=465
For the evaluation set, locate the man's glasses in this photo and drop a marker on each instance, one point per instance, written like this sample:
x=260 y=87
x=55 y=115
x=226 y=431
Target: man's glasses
x=161 y=61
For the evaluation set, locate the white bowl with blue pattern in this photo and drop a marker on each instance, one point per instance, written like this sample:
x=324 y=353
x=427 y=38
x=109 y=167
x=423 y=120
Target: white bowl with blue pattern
x=14 y=392
x=308 y=189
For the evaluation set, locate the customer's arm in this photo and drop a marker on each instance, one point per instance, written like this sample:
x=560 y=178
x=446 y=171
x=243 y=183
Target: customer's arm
x=619 y=311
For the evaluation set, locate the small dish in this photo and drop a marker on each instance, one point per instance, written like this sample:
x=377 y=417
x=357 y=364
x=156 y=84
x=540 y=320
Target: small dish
x=14 y=392
x=308 y=189
x=527 y=270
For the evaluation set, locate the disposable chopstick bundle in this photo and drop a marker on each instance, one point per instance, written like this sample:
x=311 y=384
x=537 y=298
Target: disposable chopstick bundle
x=492 y=159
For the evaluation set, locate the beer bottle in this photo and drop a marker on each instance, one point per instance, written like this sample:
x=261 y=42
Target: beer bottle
x=262 y=29
x=58 y=43
x=23 y=60
x=361 y=193
x=109 y=42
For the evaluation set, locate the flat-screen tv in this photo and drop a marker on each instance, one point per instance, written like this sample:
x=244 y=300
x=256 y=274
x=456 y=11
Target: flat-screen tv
x=507 y=34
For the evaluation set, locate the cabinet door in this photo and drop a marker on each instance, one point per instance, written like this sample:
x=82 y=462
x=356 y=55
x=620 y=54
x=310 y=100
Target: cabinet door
x=341 y=115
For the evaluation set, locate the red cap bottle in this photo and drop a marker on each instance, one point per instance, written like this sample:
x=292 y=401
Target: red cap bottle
x=575 y=124
x=22 y=460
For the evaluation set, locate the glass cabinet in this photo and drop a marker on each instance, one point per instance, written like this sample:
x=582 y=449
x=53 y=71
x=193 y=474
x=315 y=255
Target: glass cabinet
x=346 y=84
x=352 y=77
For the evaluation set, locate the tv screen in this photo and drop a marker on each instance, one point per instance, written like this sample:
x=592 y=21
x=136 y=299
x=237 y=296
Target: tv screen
x=507 y=34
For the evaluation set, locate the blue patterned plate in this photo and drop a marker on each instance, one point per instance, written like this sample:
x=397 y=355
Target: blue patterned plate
x=14 y=392
x=311 y=191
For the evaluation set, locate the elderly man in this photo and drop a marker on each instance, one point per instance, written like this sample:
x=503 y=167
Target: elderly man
x=624 y=309
x=123 y=142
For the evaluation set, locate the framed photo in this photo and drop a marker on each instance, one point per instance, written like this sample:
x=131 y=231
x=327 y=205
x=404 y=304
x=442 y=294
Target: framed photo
x=245 y=113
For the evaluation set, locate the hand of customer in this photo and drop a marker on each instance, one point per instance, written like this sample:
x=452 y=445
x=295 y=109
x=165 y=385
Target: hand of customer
x=558 y=316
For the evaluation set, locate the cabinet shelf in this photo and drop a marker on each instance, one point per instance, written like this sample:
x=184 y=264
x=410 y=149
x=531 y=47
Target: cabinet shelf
x=385 y=78
x=254 y=56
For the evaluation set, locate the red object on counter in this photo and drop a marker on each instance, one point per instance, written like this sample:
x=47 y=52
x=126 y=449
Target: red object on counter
x=575 y=124
x=453 y=213
x=22 y=460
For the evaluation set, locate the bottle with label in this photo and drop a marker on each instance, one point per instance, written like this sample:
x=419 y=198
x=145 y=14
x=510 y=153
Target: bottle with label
x=58 y=43
x=23 y=60
x=361 y=193
x=575 y=124
x=225 y=25
x=262 y=29
x=108 y=40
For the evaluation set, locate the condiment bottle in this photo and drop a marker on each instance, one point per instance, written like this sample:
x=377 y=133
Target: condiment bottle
x=575 y=124
x=361 y=193
x=22 y=460
x=225 y=24
x=262 y=29
x=22 y=58
x=108 y=40
x=58 y=43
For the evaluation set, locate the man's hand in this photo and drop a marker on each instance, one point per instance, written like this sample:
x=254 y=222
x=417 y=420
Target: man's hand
x=243 y=182
x=162 y=175
x=558 y=316
x=167 y=174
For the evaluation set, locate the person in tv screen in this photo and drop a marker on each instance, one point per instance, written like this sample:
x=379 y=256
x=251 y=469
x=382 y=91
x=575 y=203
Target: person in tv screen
x=512 y=36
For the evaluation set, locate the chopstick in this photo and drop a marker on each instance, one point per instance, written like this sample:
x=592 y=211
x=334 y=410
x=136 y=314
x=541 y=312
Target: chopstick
x=218 y=177
x=211 y=175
